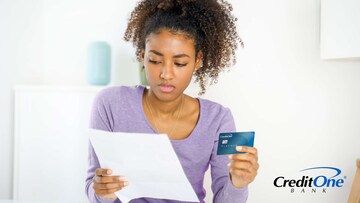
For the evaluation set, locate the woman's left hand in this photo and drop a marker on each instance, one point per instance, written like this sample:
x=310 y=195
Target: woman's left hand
x=243 y=167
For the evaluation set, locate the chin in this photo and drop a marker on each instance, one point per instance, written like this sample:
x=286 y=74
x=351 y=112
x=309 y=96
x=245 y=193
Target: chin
x=166 y=96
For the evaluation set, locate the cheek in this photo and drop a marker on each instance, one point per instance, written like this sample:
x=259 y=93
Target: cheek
x=151 y=73
x=189 y=70
x=185 y=76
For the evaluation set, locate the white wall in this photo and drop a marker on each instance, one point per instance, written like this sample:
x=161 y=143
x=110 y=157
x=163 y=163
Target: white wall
x=340 y=33
x=20 y=62
x=69 y=27
x=45 y=42
x=304 y=110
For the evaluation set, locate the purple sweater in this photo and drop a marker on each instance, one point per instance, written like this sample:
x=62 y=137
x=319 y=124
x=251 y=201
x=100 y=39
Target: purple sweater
x=119 y=109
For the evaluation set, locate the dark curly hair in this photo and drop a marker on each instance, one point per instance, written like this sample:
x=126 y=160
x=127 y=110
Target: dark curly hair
x=208 y=22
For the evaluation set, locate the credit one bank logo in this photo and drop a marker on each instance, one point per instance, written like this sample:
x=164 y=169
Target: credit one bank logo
x=312 y=183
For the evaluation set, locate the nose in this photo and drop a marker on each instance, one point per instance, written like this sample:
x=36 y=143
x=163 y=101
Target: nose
x=167 y=71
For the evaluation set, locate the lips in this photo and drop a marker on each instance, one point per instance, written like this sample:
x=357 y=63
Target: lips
x=166 y=88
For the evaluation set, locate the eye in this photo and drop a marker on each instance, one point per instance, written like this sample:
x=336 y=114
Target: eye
x=153 y=61
x=180 y=64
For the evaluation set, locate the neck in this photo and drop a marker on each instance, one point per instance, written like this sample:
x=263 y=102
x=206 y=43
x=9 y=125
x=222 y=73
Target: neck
x=164 y=109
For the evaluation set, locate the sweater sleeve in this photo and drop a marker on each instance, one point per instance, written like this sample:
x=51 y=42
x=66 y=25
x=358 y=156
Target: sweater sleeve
x=222 y=187
x=100 y=119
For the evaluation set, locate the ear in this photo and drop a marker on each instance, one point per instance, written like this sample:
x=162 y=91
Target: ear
x=199 y=60
x=142 y=55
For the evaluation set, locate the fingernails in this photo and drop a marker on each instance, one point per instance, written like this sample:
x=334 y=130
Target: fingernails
x=108 y=172
x=230 y=156
x=121 y=178
x=126 y=183
x=238 y=148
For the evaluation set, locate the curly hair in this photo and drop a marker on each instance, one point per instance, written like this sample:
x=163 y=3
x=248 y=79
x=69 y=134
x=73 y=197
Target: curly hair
x=209 y=23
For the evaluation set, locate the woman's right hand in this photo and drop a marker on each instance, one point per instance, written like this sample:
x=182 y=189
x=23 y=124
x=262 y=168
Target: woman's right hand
x=106 y=185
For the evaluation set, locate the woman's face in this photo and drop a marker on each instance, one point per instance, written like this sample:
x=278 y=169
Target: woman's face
x=169 y=61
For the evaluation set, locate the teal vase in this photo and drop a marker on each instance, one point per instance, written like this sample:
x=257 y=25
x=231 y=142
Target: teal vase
x=99 y=63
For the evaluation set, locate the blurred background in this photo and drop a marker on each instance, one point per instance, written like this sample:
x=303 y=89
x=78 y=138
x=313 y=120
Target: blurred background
x=296 y=84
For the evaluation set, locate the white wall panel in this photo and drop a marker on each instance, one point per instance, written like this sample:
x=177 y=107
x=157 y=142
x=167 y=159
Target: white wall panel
x=340 y=29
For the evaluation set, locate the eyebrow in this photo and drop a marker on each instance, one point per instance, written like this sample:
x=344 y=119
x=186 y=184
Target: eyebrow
x=176 y=56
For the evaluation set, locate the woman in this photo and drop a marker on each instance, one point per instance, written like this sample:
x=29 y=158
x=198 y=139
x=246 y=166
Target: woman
x=176 y=40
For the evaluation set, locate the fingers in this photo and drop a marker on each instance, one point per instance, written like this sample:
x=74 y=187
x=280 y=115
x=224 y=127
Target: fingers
x=251 y=150
x=247 y=161
x=110 y=186
x=108 y=179
x=239 y=165
x=244 y=158
x=106 y=185
x=250 y=154
x=103 y=172
x=243 y=166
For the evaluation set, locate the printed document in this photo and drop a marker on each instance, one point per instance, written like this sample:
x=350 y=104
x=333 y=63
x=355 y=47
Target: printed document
x=147 y=161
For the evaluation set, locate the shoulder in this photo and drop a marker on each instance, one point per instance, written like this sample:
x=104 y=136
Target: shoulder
x=213 y=109
x=216 y=117
x=114 y=94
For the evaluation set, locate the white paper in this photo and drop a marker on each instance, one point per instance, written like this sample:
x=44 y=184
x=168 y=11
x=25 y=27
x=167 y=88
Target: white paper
x=148 y=162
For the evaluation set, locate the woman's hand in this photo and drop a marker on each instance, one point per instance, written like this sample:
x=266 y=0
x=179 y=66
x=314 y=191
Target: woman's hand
x=243 y=167
x=105 y=185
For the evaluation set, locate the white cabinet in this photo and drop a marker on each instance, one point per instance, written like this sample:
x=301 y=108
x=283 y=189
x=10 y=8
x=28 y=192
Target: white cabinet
x=51 y=143
x=340 y=29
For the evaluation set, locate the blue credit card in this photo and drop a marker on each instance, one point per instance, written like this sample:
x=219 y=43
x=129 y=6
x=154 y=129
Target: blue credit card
x=229 y=141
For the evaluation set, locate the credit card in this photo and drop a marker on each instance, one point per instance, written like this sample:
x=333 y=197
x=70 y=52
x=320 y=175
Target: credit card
x=229 y=141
